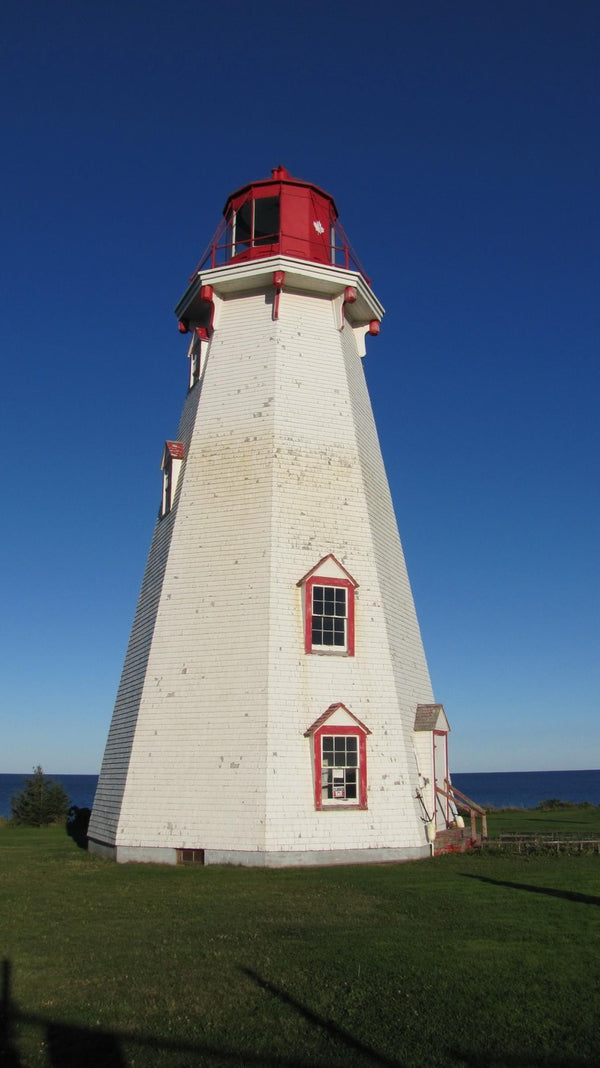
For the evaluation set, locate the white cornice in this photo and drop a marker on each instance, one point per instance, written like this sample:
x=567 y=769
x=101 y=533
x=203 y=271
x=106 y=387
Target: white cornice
x=301 y=275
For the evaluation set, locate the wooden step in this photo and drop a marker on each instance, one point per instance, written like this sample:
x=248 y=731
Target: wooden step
x=454 y=840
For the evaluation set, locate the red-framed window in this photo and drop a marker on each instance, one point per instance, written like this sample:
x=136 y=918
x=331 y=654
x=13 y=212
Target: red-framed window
x=329 y=615
x=167 y=487
x=197 y=355
x=171 y=469
x=340 y=758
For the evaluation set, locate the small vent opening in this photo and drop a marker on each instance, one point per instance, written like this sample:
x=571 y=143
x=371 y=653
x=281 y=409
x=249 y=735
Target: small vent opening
x=190 y=856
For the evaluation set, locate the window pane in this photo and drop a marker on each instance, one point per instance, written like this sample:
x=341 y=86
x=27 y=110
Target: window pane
x=329 y=616
x=340 y=767
x=229 y=236
x=243 y=218
x=266 y=221
x=327 y=784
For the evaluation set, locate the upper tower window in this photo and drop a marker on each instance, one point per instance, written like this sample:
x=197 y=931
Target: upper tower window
x=329 y=616
x=197 y=354
x=171 y=468
x=328 y=603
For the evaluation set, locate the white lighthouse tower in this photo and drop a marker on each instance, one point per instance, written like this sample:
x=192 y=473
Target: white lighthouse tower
x=275 y=706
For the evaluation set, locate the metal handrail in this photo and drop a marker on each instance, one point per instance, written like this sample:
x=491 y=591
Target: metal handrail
x=343 y=251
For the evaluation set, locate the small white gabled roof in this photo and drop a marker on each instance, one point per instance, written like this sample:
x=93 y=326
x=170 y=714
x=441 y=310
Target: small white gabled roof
x=340 y=716
x=328 y=567
x=172 y=450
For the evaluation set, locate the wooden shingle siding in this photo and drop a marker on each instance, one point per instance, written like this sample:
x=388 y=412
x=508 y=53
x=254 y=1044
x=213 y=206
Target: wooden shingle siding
x=282 y=466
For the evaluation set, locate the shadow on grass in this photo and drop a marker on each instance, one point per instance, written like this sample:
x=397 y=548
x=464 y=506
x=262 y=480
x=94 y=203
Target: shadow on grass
x=331 y=1028
x=68 y=1046
x=550 y=891
x=503 y=1060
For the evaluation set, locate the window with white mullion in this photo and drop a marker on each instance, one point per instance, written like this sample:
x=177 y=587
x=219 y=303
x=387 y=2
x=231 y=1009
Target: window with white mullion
x=328 y=608
x=329 y=617
x=256 y=222
x=339 y=767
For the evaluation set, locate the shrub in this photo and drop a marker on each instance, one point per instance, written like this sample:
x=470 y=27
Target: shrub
x=41 y=801
x=77 y=824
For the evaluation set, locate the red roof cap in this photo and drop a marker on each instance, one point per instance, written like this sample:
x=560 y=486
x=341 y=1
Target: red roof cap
x=280 y=175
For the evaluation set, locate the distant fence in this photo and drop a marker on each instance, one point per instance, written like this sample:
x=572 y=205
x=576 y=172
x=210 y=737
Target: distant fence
x=557 y=843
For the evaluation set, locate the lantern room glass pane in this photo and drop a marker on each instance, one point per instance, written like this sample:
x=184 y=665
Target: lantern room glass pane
x=243 y=227
x=266 y=221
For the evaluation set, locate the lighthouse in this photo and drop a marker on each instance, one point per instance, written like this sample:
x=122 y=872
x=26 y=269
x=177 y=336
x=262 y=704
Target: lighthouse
x=275 y=706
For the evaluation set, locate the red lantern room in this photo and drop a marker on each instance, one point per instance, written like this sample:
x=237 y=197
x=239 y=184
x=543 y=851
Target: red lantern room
x=283 y=216
x=280 y=215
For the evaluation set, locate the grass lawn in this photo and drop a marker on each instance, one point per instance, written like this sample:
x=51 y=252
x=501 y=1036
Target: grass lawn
x=477 y=960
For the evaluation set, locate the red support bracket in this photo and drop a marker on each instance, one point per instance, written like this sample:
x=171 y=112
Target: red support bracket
x=349 y=298
x=207 y=296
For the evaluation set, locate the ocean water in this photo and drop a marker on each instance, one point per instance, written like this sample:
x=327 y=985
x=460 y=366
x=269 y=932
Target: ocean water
x=525 y=789
x=521 y=789
x=80 y=789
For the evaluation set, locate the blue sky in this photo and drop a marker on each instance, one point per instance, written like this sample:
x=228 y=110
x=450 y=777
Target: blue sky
x=460 y=142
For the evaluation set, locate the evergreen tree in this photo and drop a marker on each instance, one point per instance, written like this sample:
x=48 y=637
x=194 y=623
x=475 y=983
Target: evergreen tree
x=41 y=801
